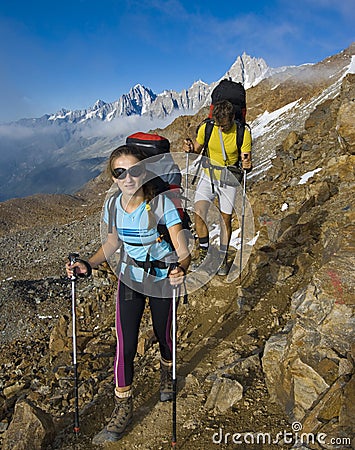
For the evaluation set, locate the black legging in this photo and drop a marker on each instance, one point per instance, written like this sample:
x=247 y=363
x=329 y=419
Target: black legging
x=129 y=310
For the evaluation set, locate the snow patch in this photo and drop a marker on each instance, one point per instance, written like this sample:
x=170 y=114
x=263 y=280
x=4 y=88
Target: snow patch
x=265 y=121
x=305 y=177
x=351 y=68
x=235 y=237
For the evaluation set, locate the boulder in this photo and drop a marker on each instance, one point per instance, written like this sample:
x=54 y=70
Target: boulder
x=30 y=428
x=291 y=140
x=224 y=394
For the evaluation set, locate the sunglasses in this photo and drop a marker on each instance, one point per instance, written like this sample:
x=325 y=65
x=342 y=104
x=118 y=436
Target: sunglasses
x=135 y=171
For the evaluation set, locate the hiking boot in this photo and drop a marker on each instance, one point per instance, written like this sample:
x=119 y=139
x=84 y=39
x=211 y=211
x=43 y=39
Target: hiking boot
x=121 y=415
x=201 y=257
x=120 y=419
x=166 y=382
x=223 y=268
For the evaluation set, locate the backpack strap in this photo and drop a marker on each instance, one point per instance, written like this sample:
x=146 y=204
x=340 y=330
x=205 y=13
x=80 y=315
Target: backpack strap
x=208 y=131
x=111 y=207
x=148 y=266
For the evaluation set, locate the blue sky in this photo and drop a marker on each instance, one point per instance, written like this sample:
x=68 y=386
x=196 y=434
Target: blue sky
x=70 y=53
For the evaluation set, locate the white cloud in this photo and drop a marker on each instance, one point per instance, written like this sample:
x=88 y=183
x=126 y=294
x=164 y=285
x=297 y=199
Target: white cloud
x=122 y=126
x=17 y=132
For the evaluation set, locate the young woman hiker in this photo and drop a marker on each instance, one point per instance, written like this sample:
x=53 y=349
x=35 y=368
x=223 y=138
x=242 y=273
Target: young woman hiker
x=135 y=226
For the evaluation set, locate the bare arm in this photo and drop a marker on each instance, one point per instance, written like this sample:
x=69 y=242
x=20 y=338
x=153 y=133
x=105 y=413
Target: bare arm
x=107 y=249
x=184 y=257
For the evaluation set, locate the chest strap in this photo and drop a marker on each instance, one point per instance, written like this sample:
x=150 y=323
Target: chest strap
x=149 y=266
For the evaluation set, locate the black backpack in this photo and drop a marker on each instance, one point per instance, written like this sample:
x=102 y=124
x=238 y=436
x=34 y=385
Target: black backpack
x=234 y=92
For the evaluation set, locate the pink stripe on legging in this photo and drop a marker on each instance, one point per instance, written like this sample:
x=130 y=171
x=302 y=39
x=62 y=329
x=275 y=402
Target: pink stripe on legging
x=119 y=372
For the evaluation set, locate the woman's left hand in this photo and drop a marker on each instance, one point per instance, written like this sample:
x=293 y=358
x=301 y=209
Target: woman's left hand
x=176 y=276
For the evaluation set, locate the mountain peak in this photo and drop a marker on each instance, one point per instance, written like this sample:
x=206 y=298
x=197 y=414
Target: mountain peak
x=247 y=70
x=140 y=88
x=198 y=83
x=98 y=104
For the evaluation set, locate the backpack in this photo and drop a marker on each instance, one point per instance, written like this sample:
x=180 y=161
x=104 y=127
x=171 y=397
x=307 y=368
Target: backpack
x=158 y=148
x=235 y=93
x=165 y=175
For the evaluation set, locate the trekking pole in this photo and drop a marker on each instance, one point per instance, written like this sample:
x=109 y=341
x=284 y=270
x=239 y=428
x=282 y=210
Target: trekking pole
x=173 y=441
x=72 y=258
x=242 y=224
x=187 y=179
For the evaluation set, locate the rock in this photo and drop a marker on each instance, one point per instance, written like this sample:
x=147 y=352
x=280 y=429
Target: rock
x=308 y=385
x=146 y=340
x=328 y=406
x=346 y=367
x=13 y=389
x=302 y=365
x=3 y=426
x=347 y=410
x=342 y=167
x=328 y=369
x=30 y=428
x=345 y=119
x=59 y=341
x=274 y=354
x=320 y=191
x=272 y=226
x=291 y=140
x=280 y=273
x=224 y=394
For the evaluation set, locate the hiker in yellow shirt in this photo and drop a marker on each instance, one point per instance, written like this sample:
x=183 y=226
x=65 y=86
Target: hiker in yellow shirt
x=222 y=152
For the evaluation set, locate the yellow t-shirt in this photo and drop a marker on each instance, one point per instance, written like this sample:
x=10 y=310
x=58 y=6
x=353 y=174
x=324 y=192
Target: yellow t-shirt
x=230 y=144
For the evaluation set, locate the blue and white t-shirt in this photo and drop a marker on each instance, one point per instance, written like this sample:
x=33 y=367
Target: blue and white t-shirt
x=132 y=228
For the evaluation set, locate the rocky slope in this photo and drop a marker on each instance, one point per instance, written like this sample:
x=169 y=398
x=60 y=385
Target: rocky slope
x=262 y=358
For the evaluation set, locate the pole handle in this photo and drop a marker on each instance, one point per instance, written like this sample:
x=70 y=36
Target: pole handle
x=72 y=259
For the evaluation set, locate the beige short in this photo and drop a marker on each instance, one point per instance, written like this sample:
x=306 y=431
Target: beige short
x=226 y=194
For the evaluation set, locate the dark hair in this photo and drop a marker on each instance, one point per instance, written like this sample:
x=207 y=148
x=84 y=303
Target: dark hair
x=149 y=190
x=223 y=110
